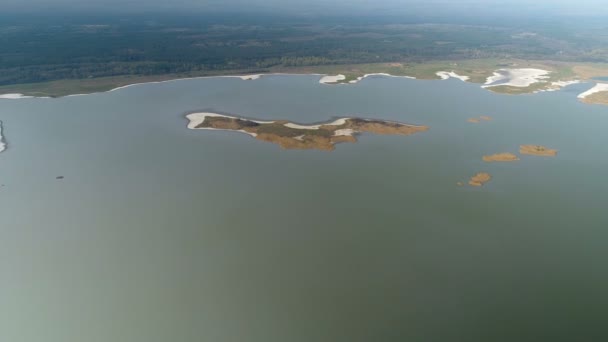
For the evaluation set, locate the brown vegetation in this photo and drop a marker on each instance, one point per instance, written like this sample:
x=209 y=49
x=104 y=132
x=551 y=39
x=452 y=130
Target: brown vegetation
x=480 y=179
x=500 y=157
x=537 y=150
x=322 y=137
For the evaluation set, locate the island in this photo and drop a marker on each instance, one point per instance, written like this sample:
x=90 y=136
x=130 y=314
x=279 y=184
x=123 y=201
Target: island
x=537 y=150
x=480 y=179
x=500 y=157
x=289 y=135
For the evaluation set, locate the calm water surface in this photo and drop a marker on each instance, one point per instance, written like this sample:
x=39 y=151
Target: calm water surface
x=159 y=233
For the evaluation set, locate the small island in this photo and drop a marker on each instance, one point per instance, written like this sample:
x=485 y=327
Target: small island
x=537 y=150
x=500 y=157
x=480 y=179
x=290 y=135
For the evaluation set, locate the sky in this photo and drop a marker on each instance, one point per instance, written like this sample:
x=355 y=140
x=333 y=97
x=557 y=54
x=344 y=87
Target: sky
x=566 y=7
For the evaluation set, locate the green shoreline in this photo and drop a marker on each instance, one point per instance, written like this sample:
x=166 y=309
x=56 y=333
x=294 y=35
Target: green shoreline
x=476 y=69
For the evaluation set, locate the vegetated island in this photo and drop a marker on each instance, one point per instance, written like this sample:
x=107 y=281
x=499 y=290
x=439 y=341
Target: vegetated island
x=480 y=179
x=537 y=150
x=289 y=135
x=500 y=157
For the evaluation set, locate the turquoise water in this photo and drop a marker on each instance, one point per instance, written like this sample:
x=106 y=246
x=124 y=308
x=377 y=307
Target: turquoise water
x=159 y=233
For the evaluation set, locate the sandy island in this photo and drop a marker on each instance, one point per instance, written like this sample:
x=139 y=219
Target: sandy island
x=537 y=150
x=480 y=179
x=500 y=157
x=290 y=135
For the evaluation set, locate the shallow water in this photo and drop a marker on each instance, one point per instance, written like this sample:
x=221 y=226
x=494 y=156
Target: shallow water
x=159 y=233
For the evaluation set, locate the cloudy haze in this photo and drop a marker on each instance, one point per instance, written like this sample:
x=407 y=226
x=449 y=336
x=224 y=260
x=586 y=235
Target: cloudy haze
x=566 y=7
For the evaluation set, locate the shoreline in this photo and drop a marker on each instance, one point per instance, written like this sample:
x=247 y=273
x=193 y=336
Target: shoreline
x=598 y=88
x=519 y=78
x=3 y=144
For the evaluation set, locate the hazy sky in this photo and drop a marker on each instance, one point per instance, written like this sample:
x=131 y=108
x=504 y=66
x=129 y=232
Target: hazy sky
x=318 y=6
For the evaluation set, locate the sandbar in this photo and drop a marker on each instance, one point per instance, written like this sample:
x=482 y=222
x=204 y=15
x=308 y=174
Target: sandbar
x=537 y=150
x=500 y=157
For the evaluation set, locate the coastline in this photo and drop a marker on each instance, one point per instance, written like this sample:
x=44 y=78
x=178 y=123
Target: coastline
x=511 y=81
x=599 y=87
x=3 y=144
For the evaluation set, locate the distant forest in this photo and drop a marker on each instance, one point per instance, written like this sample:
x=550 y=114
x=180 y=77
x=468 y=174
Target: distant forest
x=38 y=49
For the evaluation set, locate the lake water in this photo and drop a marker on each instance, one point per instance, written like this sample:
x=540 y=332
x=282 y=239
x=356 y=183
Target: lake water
x=159 y=233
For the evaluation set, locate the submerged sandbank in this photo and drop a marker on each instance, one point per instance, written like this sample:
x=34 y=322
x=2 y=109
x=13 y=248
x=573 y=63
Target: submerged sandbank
x=479 y=119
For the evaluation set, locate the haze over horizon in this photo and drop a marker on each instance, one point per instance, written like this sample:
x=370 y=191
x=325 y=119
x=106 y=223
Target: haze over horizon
x=381 y=7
